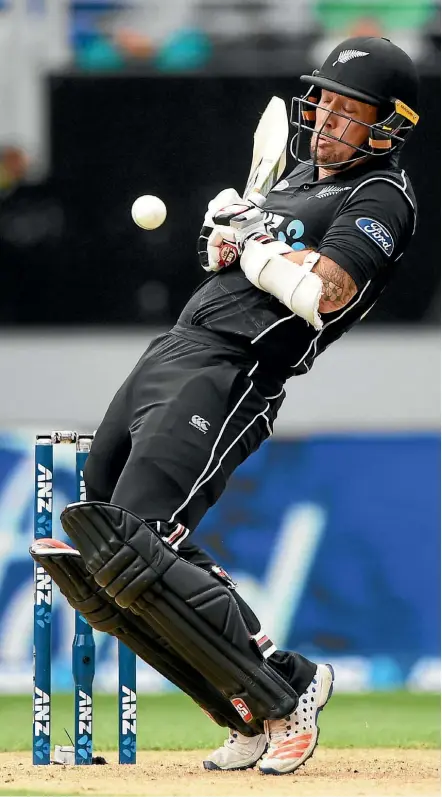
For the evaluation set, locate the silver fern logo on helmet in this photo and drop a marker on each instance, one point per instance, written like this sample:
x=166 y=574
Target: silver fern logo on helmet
x=348 y=55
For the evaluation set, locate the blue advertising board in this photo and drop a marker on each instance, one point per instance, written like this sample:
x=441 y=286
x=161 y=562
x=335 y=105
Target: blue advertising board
x=334 y=540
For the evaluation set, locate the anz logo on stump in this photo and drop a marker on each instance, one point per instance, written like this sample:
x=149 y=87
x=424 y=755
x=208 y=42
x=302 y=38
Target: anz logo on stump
x=378 y=233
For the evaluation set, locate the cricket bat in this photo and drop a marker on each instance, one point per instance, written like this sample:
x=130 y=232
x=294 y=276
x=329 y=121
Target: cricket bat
x=269 y=160
x=269 y=149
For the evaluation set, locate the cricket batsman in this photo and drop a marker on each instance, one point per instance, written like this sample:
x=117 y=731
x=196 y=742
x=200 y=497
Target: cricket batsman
x=286 y=280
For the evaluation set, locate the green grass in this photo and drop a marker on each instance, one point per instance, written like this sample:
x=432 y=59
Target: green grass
x=173 y=722
x=20 y=793
x=23 y=792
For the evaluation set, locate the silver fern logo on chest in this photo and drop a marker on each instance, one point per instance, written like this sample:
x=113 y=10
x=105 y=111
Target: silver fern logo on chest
x=348 y=55
x=330 y=190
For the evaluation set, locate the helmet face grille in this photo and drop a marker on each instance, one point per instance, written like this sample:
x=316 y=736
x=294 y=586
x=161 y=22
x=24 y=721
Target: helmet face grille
x=383 y=138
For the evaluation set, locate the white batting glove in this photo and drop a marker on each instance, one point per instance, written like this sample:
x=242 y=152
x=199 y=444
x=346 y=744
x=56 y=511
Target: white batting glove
x=208 y=254
x=232 y=224
x=242 y=221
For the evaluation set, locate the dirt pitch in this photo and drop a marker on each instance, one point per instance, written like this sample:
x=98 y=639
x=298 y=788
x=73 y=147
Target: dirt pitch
x=179 y=774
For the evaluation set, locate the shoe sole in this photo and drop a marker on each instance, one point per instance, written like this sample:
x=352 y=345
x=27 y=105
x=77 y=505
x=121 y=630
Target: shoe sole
x=210 y=765
x=269 y=770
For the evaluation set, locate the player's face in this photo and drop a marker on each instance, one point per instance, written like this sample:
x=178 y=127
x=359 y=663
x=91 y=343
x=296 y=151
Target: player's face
x=346 y=128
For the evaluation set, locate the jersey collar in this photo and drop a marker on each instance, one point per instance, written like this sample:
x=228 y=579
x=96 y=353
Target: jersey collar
x=343 y=176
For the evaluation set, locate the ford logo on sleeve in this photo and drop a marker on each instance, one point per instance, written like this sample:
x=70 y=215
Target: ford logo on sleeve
x=378 y=233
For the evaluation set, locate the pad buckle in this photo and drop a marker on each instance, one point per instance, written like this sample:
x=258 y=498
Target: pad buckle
x=223 y=576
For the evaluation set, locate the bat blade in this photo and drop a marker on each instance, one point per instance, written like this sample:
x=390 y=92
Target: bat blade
x=269 y=149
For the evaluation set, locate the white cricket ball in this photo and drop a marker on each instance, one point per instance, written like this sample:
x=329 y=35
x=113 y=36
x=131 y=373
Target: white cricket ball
x=149 y=212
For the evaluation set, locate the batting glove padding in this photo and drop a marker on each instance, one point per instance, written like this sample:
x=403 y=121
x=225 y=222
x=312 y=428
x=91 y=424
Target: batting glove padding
x=228 y=223
x=208 y=259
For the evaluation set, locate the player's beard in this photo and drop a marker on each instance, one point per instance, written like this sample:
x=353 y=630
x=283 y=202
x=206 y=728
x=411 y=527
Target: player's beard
x=330 y=155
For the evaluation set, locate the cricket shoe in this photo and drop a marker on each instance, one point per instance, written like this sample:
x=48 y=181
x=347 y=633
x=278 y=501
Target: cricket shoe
x=292 y=740
x=237 y=752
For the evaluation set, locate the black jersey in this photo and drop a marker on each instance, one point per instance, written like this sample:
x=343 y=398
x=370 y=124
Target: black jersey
x=363 y=219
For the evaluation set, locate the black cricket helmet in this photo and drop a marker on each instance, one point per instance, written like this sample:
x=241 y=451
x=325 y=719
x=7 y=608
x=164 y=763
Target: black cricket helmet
x=371 y=70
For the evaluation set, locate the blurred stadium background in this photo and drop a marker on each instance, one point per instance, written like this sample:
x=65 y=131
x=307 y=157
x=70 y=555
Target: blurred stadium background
x=333 y=528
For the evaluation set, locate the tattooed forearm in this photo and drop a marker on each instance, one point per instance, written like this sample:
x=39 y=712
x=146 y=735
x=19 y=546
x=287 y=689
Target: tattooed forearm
x=338 y=288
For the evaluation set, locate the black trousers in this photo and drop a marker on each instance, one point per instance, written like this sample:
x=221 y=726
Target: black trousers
x=188 y=414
